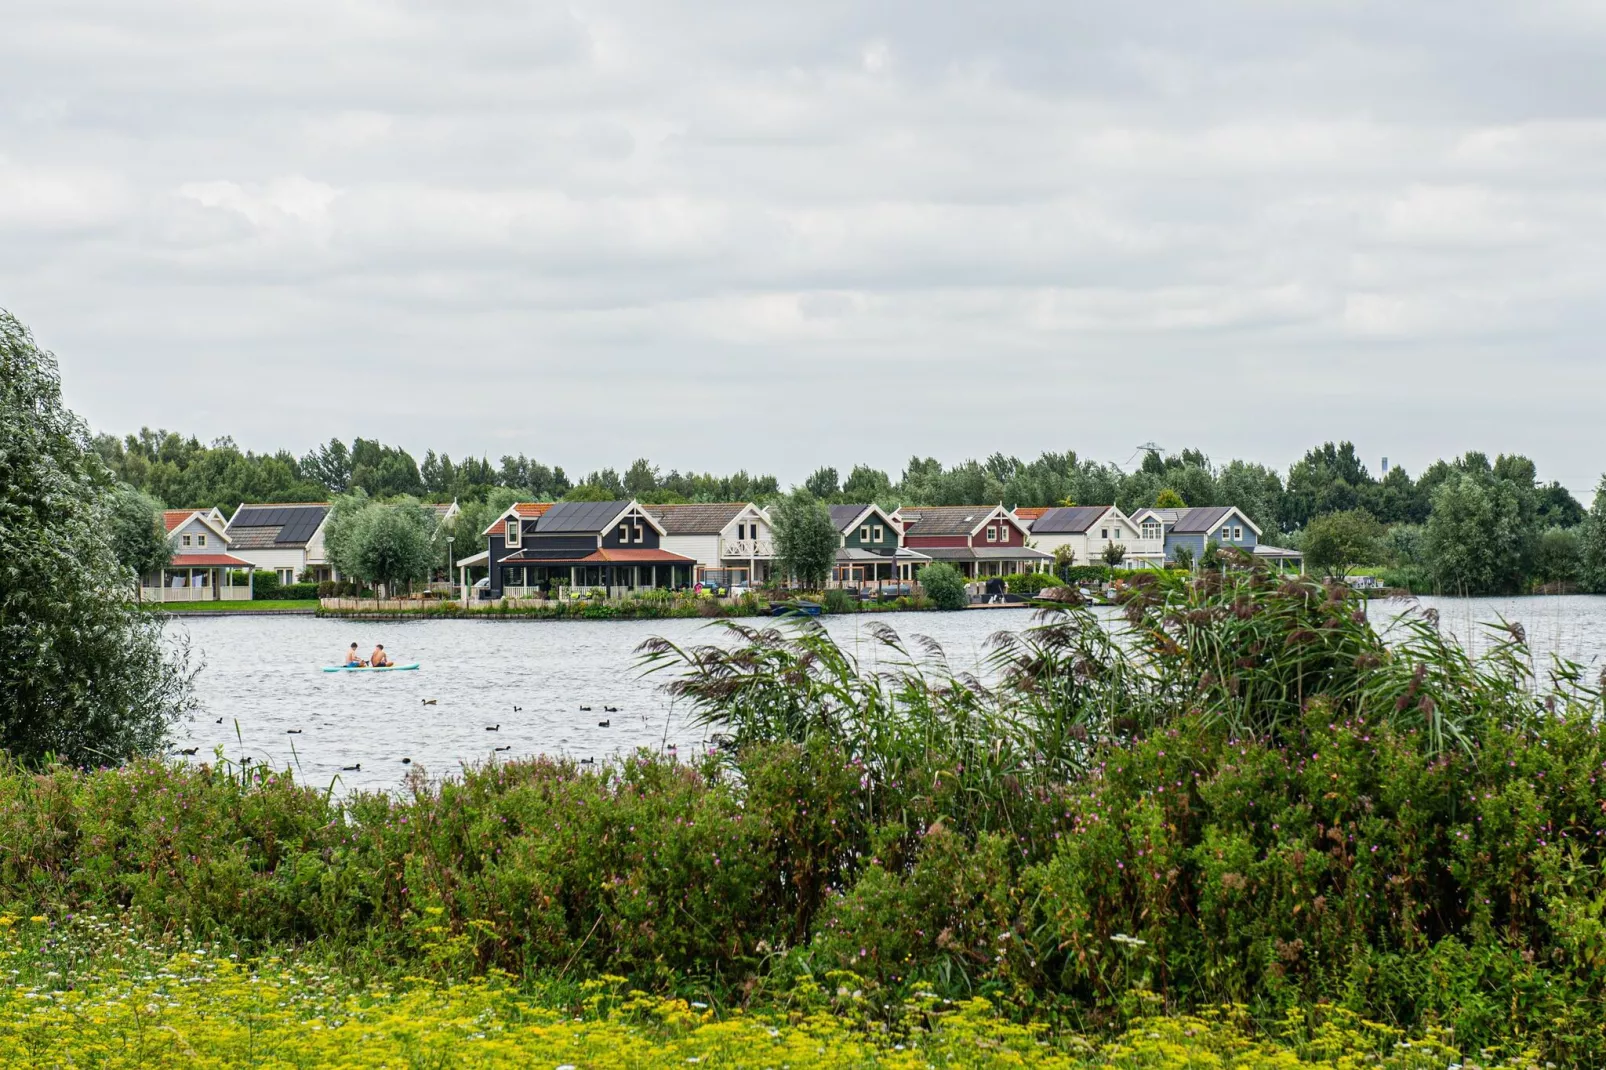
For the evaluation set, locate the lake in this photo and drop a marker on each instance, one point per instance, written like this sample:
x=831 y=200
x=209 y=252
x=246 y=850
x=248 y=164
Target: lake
x=261 y=678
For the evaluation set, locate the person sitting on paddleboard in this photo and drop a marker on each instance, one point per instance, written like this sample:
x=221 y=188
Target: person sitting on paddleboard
x=352 y=660
x=379 y=659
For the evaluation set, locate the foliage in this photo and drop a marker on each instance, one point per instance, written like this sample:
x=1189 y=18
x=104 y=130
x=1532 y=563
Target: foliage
x=1478 y=539
x=823 y=484
x=1182 y=556
x=98 y=990
x=805 y=538
x=837 y=600
x=1560 y=556
x=1114 y=554
x=83 y=674
x=1031 y=582
x=185 y=474
x=266 y=586
x=1592 y=566
x=134 y=527
x=1169 y=499
x=386 y=543
x=945 y=586
x=1335 y=543
x=1084 y=574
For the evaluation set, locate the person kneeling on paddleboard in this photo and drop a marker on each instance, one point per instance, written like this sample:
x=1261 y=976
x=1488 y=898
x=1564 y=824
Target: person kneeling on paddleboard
x=379 y=659
x=352 y=660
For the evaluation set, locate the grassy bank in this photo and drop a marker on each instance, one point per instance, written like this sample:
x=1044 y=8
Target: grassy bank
x=97 y=991
x=254 y=606
x=1254 y=803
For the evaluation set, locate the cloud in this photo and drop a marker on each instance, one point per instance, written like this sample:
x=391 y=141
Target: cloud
x=593 y=231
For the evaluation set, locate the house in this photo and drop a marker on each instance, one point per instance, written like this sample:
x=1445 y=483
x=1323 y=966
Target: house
x=870 y=547
x=201 y=566
x=1162 y=531
x=732 y=542
x=979 y=540
x=535 y=548
x=286 y=539
x=1084 y=530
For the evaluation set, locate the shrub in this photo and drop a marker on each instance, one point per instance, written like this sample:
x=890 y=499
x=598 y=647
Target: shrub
x=839 y=601
x=1031 y=582
x=1079 y=575
x=945 y=586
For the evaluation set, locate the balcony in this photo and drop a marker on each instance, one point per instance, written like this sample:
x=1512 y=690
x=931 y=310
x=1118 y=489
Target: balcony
x=746 y=549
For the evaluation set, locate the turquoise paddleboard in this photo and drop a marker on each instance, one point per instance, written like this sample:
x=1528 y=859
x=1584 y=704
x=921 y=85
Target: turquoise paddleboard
x=370 y=668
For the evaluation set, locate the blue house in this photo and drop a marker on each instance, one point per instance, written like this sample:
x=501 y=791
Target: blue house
x=1167 y=529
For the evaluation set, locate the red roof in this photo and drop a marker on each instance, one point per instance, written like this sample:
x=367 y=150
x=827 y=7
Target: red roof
x=172 y=518
x=524 y=509
x=1030 y=512
x=533 y=556
x=208 y=561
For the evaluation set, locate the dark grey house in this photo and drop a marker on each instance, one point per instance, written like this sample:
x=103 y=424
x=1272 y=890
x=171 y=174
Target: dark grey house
x=534 y=548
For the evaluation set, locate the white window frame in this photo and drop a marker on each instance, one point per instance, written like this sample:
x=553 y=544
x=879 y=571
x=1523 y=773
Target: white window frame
x=1151 y=529
x=200 y=540
x=624 y=534
x=864 y=533
x=1104 y=533
x=286 y=576
x=184 y=540
x=1237 y=533
x=880 y=533
x=641 y=535
x=513 y=531
x=992 y=532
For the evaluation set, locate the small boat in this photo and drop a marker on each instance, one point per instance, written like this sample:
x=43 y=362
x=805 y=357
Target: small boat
x=797 y=607
x=370 y=668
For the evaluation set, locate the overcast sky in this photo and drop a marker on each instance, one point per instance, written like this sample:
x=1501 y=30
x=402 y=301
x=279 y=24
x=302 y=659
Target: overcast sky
x=737 y=233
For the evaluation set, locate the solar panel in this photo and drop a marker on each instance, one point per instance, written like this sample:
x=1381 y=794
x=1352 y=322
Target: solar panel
x=578 y=516
x=299 y=524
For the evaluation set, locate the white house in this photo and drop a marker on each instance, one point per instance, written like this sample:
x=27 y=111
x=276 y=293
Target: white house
x=285 y=539
x=1086 y=530
x=201 y=564
x=732 y=542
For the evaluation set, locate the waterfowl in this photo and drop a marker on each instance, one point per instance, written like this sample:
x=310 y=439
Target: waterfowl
x=429 y=702
x=497 y=727
x=604 y=724
x=351 y=768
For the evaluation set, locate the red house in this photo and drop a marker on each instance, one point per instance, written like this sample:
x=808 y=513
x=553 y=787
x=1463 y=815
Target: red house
x=979 y=540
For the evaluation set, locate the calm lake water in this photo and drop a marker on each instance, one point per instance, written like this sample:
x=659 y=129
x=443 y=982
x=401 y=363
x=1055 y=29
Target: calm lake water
x=262 y=677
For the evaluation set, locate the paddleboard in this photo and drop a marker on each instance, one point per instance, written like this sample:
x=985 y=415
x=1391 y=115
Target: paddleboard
x=370 y=668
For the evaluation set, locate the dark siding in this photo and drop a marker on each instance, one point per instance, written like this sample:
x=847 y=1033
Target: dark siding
x=649 y=536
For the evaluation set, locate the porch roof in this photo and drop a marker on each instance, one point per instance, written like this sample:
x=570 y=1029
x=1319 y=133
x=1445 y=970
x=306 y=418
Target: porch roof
x=208 y=561
x=536 y=556
x=985 y=553
x=857 y=553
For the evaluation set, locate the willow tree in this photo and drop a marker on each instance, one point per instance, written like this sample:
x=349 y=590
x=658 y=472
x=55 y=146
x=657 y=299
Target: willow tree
x=85 y=674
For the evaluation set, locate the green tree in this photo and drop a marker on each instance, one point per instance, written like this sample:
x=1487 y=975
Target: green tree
x=1560 y=558
x=866 y=484
x=138 y=537
x=641 y=479
x=1592 y=564
x=1114 y=554
x=1335 y=543
x=389 y=543
x=1182 y=556
x=945 y=586
x=822 y=484
x=806 y=540
x=1482 y=535
x=84 y=673
x=1169 y=499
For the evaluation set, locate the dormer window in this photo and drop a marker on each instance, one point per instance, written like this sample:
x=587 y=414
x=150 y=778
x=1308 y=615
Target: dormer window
x=1151 y=529
x=512 y=531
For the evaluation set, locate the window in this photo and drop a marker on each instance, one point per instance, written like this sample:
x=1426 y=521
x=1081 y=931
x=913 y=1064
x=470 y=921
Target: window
x=624 y=533
x=1104 y=533
x=992 y=533
x=512 y=531
x=185 y=539
x=1226 y=534
x=880 y=533
x=1151 y=529
x=640 y=536
x=1237 y=534
x=741 y=532
x=864 y=533
x=286 y=575
x=200 y=540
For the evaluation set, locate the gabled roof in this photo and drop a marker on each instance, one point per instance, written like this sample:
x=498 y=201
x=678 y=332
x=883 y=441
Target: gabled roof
x=1070 y=519
x=269 y=527
x=848 y=517
x=527 y=510
x=1029 y=513
x=1168 y=517
x=952 y=519
x=173 y=519
x=696 y=518
x=1208 y=518
x=588 y=518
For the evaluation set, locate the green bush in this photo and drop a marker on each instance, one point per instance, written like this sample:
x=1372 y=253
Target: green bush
x=839 y=601
x=1081 y=575
x=265 y=586
x=1031 y=582
x=944 y=585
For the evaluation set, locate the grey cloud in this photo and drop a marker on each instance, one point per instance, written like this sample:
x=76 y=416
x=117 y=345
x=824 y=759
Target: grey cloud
x=597 y=230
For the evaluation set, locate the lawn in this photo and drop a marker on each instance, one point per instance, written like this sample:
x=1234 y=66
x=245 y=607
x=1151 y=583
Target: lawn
x=234 y=607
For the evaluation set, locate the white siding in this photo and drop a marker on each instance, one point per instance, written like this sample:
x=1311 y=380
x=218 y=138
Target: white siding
x=703 y=549
x=273 y=560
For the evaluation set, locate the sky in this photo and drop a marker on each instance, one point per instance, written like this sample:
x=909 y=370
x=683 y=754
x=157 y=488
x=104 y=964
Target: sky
x=749 y=234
